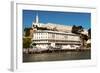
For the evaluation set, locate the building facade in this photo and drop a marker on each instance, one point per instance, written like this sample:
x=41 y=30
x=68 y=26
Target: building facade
x=45 y=38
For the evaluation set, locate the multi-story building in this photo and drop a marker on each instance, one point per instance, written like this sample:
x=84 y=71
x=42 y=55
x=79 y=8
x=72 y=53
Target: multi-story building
x=45 y=38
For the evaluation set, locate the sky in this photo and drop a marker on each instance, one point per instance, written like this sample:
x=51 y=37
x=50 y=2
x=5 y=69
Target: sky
x=63 y=18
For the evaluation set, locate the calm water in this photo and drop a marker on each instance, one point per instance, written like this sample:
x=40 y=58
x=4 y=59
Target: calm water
x=57 y=56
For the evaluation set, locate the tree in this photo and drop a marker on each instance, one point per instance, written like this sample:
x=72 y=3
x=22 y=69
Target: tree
x=89 y=33
x=74 y=29
x=26 y=42
x=84 y=38
x=27 y=31
x=77 y=29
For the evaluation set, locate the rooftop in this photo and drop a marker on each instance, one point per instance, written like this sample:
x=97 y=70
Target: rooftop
x=57 y=32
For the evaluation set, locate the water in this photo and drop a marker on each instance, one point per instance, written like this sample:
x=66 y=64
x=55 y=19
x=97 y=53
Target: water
x=57 y=56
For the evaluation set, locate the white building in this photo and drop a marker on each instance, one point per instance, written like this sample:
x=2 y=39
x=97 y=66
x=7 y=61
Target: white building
x=45 y=38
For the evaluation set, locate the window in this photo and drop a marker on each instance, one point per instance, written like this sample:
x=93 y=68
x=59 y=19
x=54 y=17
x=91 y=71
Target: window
x=65 y=36
x=53 y=35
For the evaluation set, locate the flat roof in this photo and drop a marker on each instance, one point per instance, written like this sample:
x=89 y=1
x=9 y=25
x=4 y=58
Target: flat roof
x=56 y=32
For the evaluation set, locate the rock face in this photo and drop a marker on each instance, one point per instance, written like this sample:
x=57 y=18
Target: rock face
x=57 y=27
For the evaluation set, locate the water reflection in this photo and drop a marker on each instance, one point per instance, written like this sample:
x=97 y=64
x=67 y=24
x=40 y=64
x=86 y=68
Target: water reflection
x=56 y=56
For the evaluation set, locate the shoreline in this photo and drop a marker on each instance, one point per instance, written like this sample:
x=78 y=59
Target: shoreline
x=57 y=56
x=62 y=50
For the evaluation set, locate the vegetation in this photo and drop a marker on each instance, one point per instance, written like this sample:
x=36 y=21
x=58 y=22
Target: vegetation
x=27 y=31
x=88 y=45
x=84 y=38
x=77 y=29
x=26 y=42
x=89 y=33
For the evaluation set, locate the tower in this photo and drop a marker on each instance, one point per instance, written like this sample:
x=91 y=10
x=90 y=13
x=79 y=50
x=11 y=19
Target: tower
x=36 y=22
x=37 y=19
